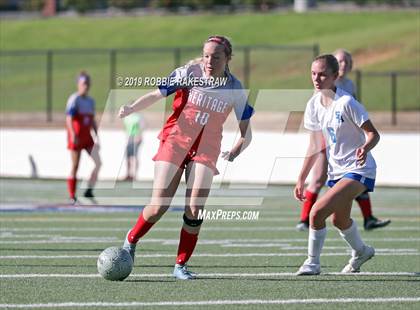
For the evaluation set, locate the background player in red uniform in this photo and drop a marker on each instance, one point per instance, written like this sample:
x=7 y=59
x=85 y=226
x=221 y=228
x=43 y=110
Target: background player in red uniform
x=190 y=141
x=80 y=121
x=319 y=171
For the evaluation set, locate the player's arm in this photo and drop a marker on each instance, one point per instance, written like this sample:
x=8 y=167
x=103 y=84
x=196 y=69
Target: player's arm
x=243 y=142
x=69 y=125
x=141 y=103
x=316 y=146
x=372 y=139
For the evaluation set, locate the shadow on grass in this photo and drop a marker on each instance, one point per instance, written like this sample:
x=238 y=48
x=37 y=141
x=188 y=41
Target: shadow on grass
x=151 y=281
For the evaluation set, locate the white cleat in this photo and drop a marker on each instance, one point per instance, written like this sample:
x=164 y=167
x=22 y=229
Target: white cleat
x=129 y=247
x=309 y=269
x=302 y=226
x=182 y=273
x=357 y=261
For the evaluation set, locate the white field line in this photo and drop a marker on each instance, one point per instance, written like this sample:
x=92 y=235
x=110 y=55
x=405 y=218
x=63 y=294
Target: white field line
x=203 y=275
x=54 y=240
x=208 y=228
x=414 y=210
x=196 y=255
x=90 y=240
x=169 y=220
x=225 y=242
x=133 y=219
x=216 y=302
x=117 y=206
x=263 y=212
x=284 y=247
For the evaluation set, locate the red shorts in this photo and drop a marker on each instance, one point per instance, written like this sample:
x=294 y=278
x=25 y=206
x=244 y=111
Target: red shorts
x=85 y=142
x=173 y=152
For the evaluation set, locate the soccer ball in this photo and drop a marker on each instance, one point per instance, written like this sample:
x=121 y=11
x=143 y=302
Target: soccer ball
x=114 y=264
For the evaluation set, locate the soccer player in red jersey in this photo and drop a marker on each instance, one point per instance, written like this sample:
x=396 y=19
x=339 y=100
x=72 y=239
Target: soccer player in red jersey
x=80 y=121
x=190 y=141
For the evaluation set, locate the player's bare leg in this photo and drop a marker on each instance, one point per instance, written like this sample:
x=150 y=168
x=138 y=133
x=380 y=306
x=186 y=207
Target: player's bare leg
x=337 y=202
x=199 y=179
x=129 y=169
x=94 y=155
x=132 y=167
x=166 y=180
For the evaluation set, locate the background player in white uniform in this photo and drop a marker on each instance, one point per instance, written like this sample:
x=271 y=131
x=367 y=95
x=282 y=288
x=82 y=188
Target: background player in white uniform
x=319 y=171
x=340 y=123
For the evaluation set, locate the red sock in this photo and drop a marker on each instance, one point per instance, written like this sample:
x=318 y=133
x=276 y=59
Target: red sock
x=186 y=246
x=139 y=230
x=307 y=205
x=71 y=187
x=365 y=205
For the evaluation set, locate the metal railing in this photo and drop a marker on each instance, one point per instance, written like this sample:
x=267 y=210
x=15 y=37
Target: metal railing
x=253 y=57
x=177 y=53
x=393 y=76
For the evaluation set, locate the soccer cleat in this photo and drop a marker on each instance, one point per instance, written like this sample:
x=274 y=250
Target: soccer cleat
x=373 y=223
x=302 y=226
x=181 y=272
x=356 y=261
x=73 y=201
x=88 y=193
x=129 y=247
x=309 y=269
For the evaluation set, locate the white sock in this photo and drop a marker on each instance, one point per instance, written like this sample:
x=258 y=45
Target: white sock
x=352 y=237
x=315 y=243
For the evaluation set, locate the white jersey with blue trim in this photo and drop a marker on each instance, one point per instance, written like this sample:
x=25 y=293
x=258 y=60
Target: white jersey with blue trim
x=340 y=123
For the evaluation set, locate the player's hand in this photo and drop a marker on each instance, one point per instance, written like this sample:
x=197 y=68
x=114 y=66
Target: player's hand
x=228 y=156
x=124 y=111
x=298 y=192
x=361 y=156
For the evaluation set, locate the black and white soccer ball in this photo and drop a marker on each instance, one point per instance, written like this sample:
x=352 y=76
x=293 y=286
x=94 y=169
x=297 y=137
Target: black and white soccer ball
x=115 y=264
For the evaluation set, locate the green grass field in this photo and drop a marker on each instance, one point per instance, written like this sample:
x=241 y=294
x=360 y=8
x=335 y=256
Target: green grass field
x=48 y=255
x=367 y=35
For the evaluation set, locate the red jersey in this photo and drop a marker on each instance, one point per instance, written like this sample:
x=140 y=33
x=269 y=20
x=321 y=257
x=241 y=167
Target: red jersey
x=199 y=112
x=202 y=111
x=82 y=112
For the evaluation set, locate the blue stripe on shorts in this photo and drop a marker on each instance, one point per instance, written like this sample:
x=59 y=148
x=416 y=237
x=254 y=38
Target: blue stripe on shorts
x=368 y=182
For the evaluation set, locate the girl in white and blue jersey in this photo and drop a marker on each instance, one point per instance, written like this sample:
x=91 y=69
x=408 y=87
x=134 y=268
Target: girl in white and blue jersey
x=319 y=171
x=339 y=125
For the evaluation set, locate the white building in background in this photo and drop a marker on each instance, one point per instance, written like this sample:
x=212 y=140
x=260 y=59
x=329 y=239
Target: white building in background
x=301 y=6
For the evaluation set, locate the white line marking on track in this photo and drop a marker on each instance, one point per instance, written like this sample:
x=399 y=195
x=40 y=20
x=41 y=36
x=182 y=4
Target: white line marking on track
x=157 y=255
x=133 y=219
x=220 y=241
x=244 y=228
x=204 y=275
x=215 y=302
x=128 y=220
